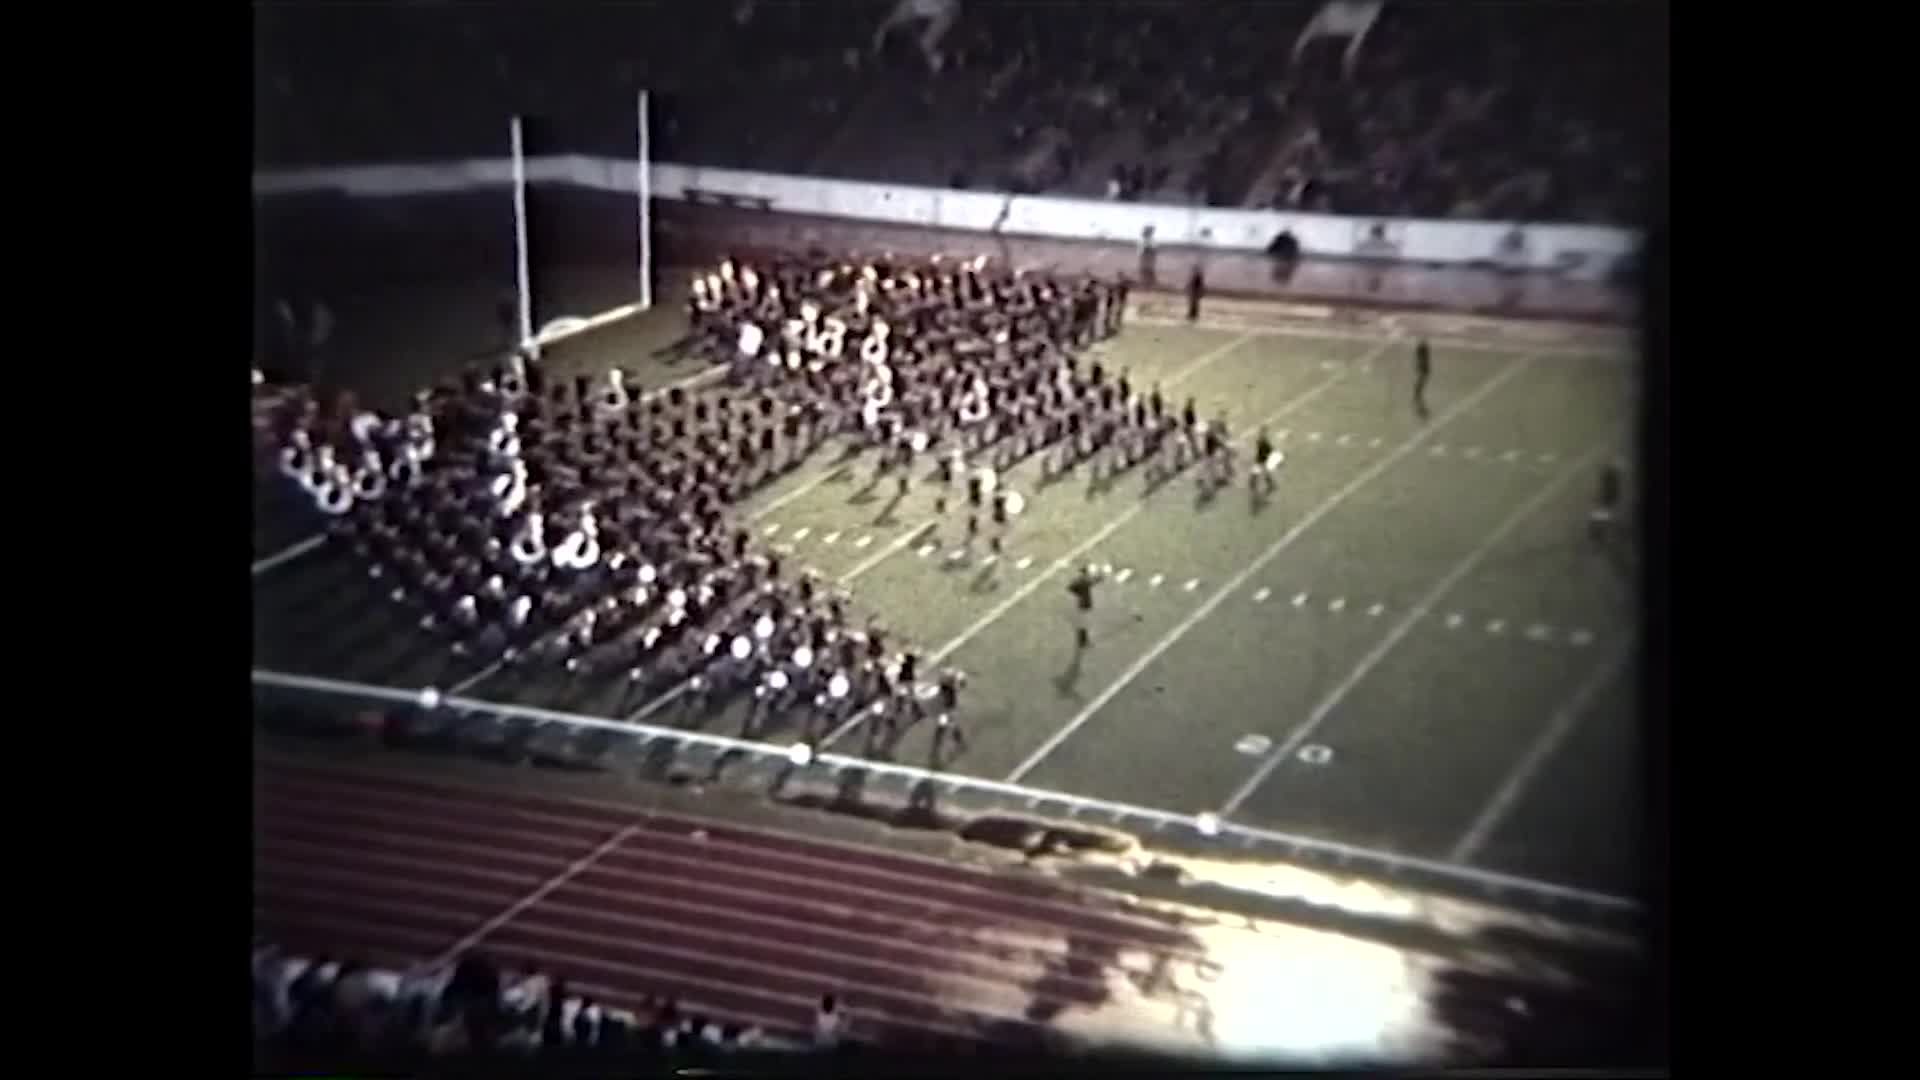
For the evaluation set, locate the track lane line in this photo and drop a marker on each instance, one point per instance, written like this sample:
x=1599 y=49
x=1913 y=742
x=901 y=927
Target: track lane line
x=885 y=935
x=780 y=869
x=520 y=906
x=775 y=939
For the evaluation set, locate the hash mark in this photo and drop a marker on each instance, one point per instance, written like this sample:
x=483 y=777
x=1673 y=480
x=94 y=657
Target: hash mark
x=1123 y=575
x=1261 y=595
x=1025 y=561
x=1300 y=599
x=773 y=529
x=830 y=538
x=1454 y=620
x=863 y=541
x=802 y=532
x=1155 y=581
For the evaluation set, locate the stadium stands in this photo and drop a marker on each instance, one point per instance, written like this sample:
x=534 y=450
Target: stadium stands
x=308 y=1009
x=1472 y=111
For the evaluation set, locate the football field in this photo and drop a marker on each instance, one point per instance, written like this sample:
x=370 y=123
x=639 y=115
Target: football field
x=1411 y=645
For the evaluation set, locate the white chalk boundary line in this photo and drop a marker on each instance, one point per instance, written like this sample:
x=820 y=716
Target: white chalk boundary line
x=1599 y=350
x=860 y=568
x=1400 y=630
x=1486 y=881
x=1537 y=754
x=1238 y=581
x=288 y=553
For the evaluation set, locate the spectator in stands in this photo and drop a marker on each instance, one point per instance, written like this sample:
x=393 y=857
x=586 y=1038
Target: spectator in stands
x=828 y=1023
x=586 y=1024
x=1470 y=109
x=553 y=1029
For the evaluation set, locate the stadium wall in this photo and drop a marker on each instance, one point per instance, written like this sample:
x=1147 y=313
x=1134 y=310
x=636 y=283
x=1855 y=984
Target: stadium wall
x=366 y=229
x=1579 y=250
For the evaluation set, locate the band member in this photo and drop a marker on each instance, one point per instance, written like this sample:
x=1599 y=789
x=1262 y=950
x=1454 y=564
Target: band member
x=1266 y=461
x=1422 y=371
x=1081 y=589
x=1606 y=503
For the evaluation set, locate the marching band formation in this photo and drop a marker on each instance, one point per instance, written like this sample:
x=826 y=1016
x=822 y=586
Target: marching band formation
x=583 y=525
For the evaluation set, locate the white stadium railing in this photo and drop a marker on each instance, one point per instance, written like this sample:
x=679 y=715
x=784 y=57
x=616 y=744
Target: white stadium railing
x=1204 y=827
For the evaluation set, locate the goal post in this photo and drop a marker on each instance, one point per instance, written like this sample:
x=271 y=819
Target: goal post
x=567 y=236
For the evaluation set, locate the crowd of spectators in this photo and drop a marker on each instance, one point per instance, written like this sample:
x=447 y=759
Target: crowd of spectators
x=313 y=1009
x=1541 y=112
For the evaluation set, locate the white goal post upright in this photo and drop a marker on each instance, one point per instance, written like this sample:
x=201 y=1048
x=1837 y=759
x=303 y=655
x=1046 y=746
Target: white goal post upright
x=532 y=337
x=522 y=277
x=644 y=186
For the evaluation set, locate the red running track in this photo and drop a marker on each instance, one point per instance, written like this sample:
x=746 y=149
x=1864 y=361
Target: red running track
x=738 y=923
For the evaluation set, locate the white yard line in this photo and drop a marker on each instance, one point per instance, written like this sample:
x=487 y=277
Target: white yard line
x=994 y=613
x=1034 y=582
x=1208 y=357
x=288 y=553
x=1239 y=580
x=477 y=677
x=885 y=553
x=1419 y=611
x=1599 y=349
x=831 y=469
x=519 y=906
x=1537 y=754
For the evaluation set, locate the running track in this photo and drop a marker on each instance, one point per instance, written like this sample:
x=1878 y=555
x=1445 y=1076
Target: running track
x=740 y=924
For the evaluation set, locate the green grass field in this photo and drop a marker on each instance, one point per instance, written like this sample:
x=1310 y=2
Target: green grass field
x=1412 y=645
